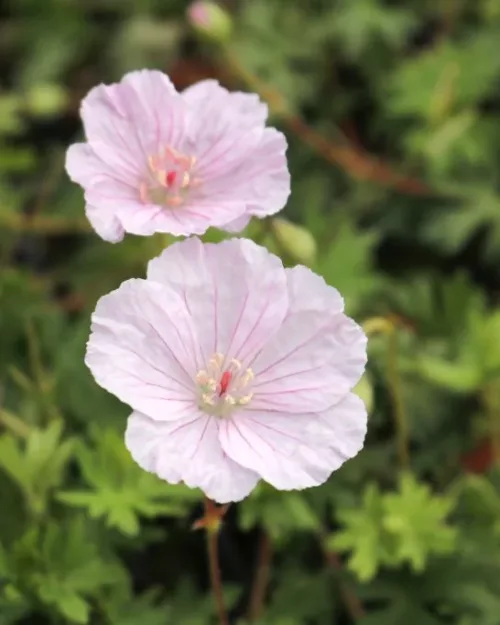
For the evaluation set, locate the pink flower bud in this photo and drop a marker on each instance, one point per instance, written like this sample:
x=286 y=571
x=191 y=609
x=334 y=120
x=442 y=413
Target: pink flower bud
x=210 y=20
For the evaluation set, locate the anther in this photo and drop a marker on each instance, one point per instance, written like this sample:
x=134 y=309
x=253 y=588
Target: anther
x=246 y=399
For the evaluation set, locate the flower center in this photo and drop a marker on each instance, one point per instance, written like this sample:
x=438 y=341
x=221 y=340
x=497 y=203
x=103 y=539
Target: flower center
x=222 y=388
x=169 y=178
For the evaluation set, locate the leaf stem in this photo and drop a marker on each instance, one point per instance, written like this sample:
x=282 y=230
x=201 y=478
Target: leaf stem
x=389 y=327
x=213 y=563
x=261 y=579
x=13 y=423
x=394 y=384
x=490 y=404
x=40 y=224
x=350 y=159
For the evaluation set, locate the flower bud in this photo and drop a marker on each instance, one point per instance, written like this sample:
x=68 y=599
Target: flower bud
x=210 y=20
x=295 y=240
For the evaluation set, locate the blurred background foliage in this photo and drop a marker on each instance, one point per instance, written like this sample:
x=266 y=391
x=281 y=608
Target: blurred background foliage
x=391 y=109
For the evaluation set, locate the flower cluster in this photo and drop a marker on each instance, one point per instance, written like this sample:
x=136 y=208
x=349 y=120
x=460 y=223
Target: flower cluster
x=236 y=368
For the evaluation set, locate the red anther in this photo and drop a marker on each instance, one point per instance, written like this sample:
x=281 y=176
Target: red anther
x=170 y=178
x=224 y=382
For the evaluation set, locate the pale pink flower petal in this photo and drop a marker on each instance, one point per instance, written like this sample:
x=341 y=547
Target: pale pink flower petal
x=84 y=167
x=159 y=161
x=296 y=451
x=318 y=355
x=143 y=349
x=263 y=181
x=239 y=367
x=235 y=291
x=188 y=450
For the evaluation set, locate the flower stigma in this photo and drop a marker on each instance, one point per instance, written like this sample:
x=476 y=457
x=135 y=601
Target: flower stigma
x=223 y=388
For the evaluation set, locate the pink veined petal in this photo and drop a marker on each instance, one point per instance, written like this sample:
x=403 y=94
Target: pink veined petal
x=235 y=151
x=207 y=98
x=262 y=180
x=268 y=179
x=188 y=450
x=236 y=292
x=317 y=356
x=134 y=118
x=149 y=96
x=144 y=350
x=343 y=426
x=292 y=451
x=86 y=168
x=237 y=225
x=197 y=215
x=105 y=223
x=110 y=134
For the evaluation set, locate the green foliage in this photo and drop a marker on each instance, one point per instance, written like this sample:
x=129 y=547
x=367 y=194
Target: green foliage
x=37 y=465
x=280 y=513
x=405 y=527
x=388 y=88
x=120 y=490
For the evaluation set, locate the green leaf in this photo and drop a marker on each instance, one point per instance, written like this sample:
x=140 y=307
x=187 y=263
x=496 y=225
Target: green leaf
x=119 y=490
x=362 y=535
x=38 y=464
x=346 y=264
x=395 y=528
x=69 y=569
x=68 y=603
x=415 y=519
x=453 y=75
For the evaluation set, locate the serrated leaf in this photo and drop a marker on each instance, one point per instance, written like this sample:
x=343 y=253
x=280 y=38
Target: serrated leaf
x=119 y=490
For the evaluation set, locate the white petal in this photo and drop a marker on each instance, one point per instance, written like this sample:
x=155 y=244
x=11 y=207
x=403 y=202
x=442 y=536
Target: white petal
x=188 y=450
x=296 y=451
x=143 y=349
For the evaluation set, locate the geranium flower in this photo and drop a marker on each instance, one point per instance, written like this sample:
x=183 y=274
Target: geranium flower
x=236 y=368
x=161 y=161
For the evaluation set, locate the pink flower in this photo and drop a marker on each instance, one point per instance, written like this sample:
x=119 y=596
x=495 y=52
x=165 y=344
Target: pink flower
x=236 y=369
x=161 y=161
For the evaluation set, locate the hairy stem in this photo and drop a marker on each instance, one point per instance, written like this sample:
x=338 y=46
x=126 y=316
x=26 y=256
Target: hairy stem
x=261 y=579
x=214 y=567
x=394 y=383
x=352 y=160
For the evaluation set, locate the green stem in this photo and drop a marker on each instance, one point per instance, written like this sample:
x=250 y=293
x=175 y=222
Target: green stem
x=394 y=383
x=214 y=567
x=261 y=580
x=13 y=423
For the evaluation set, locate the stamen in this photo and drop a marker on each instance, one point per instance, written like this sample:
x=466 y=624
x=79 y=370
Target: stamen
x=208 y=399
x=247 y=377
x=169 y=179
x=243 y=401
x=153 y=162
x=202 y=377
x=143 y=193
x=216 y=361
x=223 y=387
